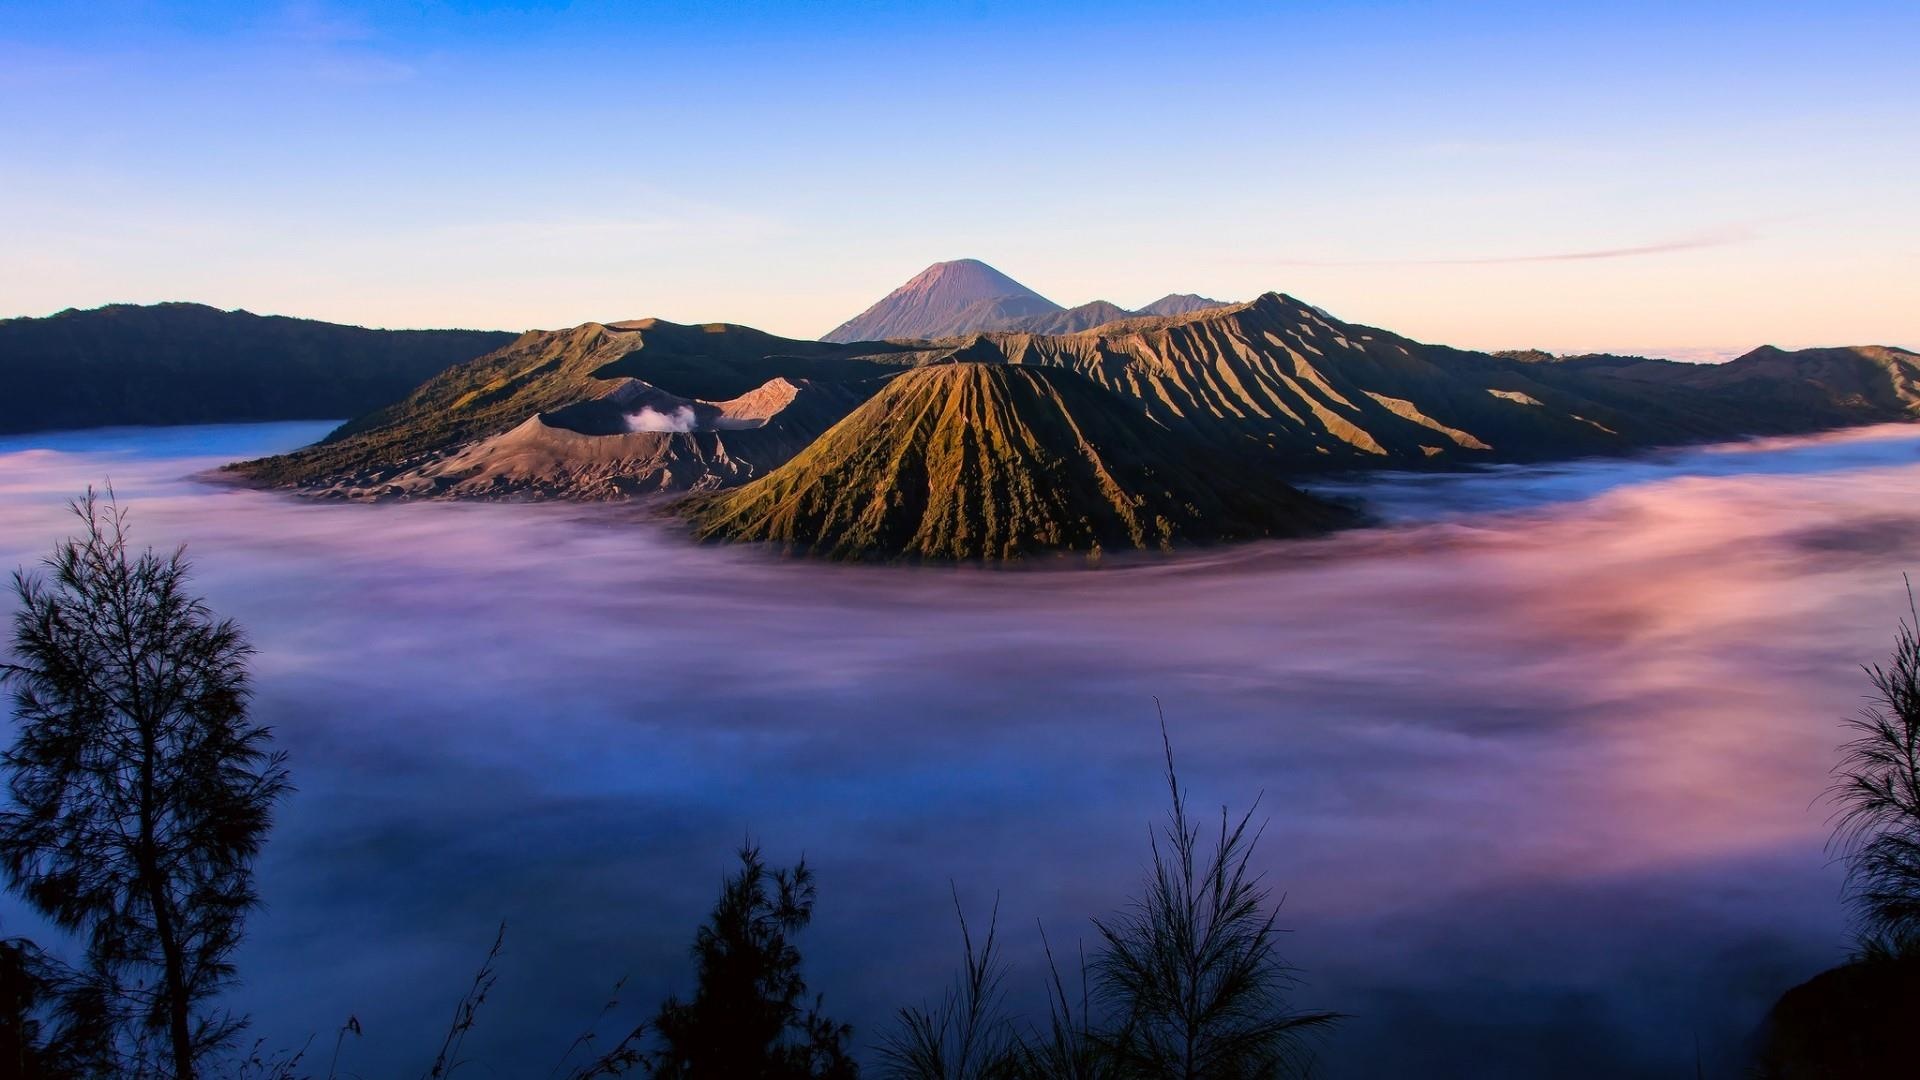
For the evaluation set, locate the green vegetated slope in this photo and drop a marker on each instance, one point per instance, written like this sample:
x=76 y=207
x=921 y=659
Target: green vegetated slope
x=192 y=364
x=967 y=461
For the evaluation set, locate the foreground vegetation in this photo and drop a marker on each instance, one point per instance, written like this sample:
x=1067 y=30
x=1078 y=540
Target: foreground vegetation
x=141 y=791
x=1858 y=1019
x=1877 y=799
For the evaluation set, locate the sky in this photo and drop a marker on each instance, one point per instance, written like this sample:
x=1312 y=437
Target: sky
x=1679 y=179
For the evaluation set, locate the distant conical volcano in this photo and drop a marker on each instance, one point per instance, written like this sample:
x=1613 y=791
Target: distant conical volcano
x=966 y=296
x=946 y=298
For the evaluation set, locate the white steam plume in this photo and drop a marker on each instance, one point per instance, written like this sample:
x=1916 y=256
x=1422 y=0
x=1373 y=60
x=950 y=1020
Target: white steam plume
x=651 y=419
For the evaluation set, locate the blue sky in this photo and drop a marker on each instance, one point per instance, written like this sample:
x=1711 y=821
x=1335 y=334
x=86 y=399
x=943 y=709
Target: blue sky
x=1671 y=177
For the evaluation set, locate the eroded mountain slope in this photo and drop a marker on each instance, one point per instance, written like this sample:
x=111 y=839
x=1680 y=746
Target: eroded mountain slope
x=970 y=461
x=545 y=372
x=1137 y=433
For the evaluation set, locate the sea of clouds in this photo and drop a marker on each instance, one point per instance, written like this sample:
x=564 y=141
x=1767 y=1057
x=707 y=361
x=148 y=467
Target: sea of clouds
x=1539 y=758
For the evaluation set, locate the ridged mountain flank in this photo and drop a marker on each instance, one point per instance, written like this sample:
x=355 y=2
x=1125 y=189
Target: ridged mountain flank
x=1320 y=393
x=969 y=461
x=1137 y=433
x=634 y=440
x=945 y=299
x=576 y=388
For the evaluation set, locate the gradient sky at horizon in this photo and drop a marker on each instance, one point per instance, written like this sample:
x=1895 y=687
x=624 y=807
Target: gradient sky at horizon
x=1684 y=179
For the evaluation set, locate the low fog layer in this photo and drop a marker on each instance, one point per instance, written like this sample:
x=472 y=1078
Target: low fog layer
x=1539 y=756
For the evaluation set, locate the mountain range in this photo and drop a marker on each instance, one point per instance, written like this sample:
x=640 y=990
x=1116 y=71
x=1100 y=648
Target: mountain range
x=1143 y=432
x=193 y=364
x=967 y=296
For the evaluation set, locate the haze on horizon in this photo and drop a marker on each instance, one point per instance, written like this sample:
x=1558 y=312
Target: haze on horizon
x=1685 y=179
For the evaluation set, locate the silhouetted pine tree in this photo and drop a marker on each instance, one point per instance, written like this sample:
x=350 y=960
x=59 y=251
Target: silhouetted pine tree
x=1188 y=984
x=141 y=790
x=1877 y=790
x=746 y=1020
x=52 y=1023
x=25 y=991
x=1191 y=972
x=1072 y=1046
x=968 y=1035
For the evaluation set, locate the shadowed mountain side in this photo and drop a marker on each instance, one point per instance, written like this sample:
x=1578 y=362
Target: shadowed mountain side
x=546 y=371
x=635 y=441
x=193 y=364
x=1070 y=321
x=997 y=313
x=1797 y=389
x=1095 y=315
x=1181 y=304
x=946 y=298
x=979 y=461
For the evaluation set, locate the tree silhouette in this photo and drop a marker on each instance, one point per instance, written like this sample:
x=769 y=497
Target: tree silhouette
x=1188 y=983
x=141 y=790
x=746 y=1021
x=968 y=1036
x=1072 y=1046
x=25 y=989
x=51 y=1017
x=1191 y=970
x=1877 y=791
